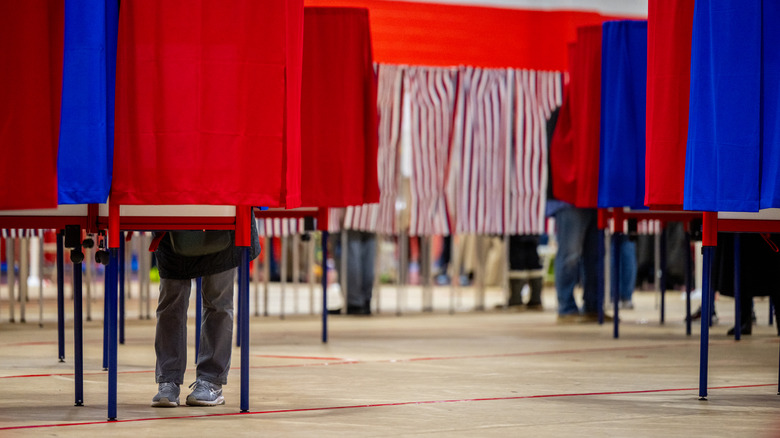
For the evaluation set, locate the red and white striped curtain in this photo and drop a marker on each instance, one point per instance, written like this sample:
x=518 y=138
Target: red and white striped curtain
x=478 y=154
x=431 y=93
x=477 y=139
x=536 y=95
x=277 y=227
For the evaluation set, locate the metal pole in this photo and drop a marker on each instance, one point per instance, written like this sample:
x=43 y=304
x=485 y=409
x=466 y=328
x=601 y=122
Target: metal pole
x=121 y=270
x=24 y=274
x=41 y=256
x=737 y=290
x=662 y=273
x=111 y=298
x=310 y=272
x=708 y=253
x=324 y=286
x=266 y=272
x=688 y=282
x=617 y=240
x=78 y=334
x=10 y=244
x=60 y=296
x=243 y=300
x=283 y=276
x=296 y=270
x=88 y=268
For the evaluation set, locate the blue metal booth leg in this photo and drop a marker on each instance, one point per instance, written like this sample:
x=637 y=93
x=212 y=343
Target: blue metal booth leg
x=617 y=241
x=243 y=299
x=121 y=271
x=111 y=319
x=708 y=253
x=324 y=286
x=61 y=296
x=78 y=335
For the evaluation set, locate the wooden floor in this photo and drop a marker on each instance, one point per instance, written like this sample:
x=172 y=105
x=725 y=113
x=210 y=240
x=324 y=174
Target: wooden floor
x=469 y=373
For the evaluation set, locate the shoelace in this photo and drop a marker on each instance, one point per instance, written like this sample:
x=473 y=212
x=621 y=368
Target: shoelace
x=167 y=385
x=204 y=384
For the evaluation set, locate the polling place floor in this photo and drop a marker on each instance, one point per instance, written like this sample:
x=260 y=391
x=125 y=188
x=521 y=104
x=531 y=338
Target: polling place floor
x=490 y=373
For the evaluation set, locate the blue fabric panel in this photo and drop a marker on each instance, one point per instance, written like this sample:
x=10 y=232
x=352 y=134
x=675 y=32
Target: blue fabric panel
x=623 y=107
x=85 y=157
x=723 y=154
x=770 y=99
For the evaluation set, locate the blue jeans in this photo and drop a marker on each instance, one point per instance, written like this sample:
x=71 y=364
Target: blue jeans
x=361 y=253
x=576 y=259
x=628 y=268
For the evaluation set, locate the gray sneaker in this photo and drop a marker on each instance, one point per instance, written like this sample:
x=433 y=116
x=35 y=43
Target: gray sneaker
x=205 y=394
x=167 y=396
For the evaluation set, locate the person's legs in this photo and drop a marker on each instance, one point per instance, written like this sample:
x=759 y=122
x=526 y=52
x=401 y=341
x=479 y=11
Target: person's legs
x=570 y=232
x=216 y=333
x=367 y=282
x=355 y=267
x=170 y=339
x=628 y=270
x=590 y=261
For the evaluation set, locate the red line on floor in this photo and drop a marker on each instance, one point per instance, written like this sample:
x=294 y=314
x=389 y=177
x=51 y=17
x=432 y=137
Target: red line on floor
x=339 y=361
x=380 y=405
x=297 y=357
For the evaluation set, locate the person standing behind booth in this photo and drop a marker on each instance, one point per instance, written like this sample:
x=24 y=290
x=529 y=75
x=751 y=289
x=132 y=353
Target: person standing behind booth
x=177 y=269
x=361 y=255
x=525 y=268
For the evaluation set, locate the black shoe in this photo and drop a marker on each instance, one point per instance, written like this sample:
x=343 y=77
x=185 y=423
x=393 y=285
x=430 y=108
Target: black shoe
x=695 y=316
x=334 y=311
x=358 y=310
x=746 y=329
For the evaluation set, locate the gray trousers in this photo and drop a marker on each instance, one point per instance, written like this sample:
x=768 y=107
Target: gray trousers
x=170 y=340
x=361 y=253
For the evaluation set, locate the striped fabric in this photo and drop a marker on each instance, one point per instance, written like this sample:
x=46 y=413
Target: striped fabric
x=276 y=227
x=431 y=94
x=13 y=233
x=479 y=149
x=537 y=95
x=497 y=175
x=648 y=226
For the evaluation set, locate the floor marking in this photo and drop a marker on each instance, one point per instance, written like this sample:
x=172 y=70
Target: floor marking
x=339 y=361
x=379 y=405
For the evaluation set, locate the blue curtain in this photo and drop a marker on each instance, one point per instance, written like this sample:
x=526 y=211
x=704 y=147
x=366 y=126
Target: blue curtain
x=732 y=158
x=85 y=157
x=623 y=108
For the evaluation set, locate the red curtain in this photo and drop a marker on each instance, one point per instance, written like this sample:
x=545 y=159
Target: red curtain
x=574 y=152
x=338 y=110
x=669 y=29
x=207 y=102
x=31 y=42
